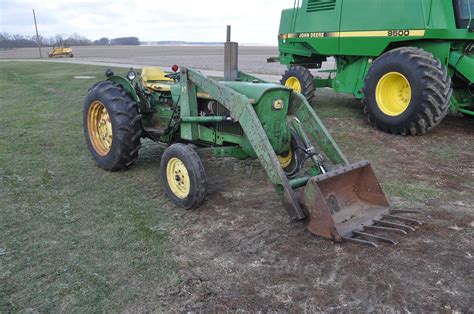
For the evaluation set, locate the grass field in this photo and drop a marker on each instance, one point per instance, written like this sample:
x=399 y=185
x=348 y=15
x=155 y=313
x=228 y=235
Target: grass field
x=71 y=236
x=77 y=238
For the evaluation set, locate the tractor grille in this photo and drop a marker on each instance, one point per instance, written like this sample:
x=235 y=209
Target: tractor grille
x=320 y=5
x=227 y=127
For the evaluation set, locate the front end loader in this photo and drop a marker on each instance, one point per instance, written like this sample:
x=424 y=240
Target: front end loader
x=185 y=111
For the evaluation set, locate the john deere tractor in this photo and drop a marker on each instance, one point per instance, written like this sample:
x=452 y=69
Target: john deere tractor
x=186 y=112
x=410 y=61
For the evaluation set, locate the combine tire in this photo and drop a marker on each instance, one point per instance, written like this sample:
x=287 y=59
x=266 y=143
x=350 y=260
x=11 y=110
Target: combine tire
x=300 y=80
x=291 y=161
x=183 y=176
x=407 y=91
x=112 y=126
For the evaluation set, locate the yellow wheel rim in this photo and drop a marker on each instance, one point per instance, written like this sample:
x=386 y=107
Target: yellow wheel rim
x=294 y=84
x=285 y=159
x=178 y=178
x=393 y=94
x=100 y=128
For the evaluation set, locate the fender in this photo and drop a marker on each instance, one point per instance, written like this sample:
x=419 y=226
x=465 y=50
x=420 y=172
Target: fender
x=463 y=64
x=126 y=85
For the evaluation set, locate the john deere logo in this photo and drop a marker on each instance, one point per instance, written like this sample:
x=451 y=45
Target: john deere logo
x=278 y=104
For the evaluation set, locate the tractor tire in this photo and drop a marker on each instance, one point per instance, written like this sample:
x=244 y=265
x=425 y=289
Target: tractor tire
x=407 y=91
x=300 y=80
x=291 y=161
x=112 y=126
x=71 y=55
x=183 y=176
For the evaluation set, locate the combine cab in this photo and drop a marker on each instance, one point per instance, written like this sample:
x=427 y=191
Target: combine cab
x=61 y=51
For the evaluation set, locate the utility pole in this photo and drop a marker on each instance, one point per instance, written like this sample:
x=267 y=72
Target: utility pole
x=37 y=35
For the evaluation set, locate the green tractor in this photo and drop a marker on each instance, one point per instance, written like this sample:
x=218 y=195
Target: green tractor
x=410 y=61
x=186 y=112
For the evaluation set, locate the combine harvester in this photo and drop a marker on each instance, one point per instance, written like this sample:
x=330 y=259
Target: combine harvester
x=410 y=61
x=242 y=117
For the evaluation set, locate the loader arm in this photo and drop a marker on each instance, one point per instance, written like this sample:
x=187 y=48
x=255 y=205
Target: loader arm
x=301 y=109
x=338 y=204
x=241 y=109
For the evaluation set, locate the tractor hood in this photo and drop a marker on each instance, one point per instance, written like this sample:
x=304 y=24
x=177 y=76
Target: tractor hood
x=254 y=91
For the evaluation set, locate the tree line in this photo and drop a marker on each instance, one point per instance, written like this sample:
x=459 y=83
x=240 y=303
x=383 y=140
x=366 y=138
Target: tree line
x=8 y=41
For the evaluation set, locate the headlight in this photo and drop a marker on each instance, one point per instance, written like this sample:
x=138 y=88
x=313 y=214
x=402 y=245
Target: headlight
x=109 y=73
x=278 y=104
x=131 y=75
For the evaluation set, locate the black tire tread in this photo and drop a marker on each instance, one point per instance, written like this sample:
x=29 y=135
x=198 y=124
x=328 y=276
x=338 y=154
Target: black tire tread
x=195 y=168
x=292 y=169
x=438 y=92
x=127 y=124
x=304 y=76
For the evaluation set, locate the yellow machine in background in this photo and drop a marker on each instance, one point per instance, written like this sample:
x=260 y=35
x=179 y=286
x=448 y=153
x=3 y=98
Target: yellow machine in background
x=61 y=51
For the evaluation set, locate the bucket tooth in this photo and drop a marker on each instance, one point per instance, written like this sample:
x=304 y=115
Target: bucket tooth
x=379 y=228
x=368 y=235
x=415 y=221
x=405 y=211
x=359 y=241
x=394 y=225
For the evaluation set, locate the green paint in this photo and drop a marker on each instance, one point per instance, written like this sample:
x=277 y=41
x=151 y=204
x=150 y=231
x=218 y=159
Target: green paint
x=207 y=119
x=463 y=64
x=357 y=31
x=230 y=151
x=249 y=118
x=188 y=108
x=299 y=182
x=126 y=85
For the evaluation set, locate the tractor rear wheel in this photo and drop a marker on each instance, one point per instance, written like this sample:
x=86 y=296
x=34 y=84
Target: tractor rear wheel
x=407 y=91
x=112 y=126
x=300 y=80
x=183 y=176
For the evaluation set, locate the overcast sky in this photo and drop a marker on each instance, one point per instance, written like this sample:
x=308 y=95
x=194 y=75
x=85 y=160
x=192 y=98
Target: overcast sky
x=253 y=21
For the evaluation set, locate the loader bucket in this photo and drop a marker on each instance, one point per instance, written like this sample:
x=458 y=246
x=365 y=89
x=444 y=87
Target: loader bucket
x=343 y=201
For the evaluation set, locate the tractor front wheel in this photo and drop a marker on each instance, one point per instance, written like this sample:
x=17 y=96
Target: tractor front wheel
x=300 y=80
x=407 y=91
x=291 y=161
x=183 y=176
x=112 y=126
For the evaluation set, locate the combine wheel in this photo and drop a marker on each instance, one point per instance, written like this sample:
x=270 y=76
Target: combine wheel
x=183 y=176
x=407 y=91
x=300 y=80
x=112 y=126
x=291 y=160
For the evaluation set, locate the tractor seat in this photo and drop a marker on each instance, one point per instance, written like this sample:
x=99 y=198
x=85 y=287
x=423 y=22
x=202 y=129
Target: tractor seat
x=154 y=78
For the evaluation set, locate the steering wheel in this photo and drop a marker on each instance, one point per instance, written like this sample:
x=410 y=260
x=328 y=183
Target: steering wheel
x=174 y=76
